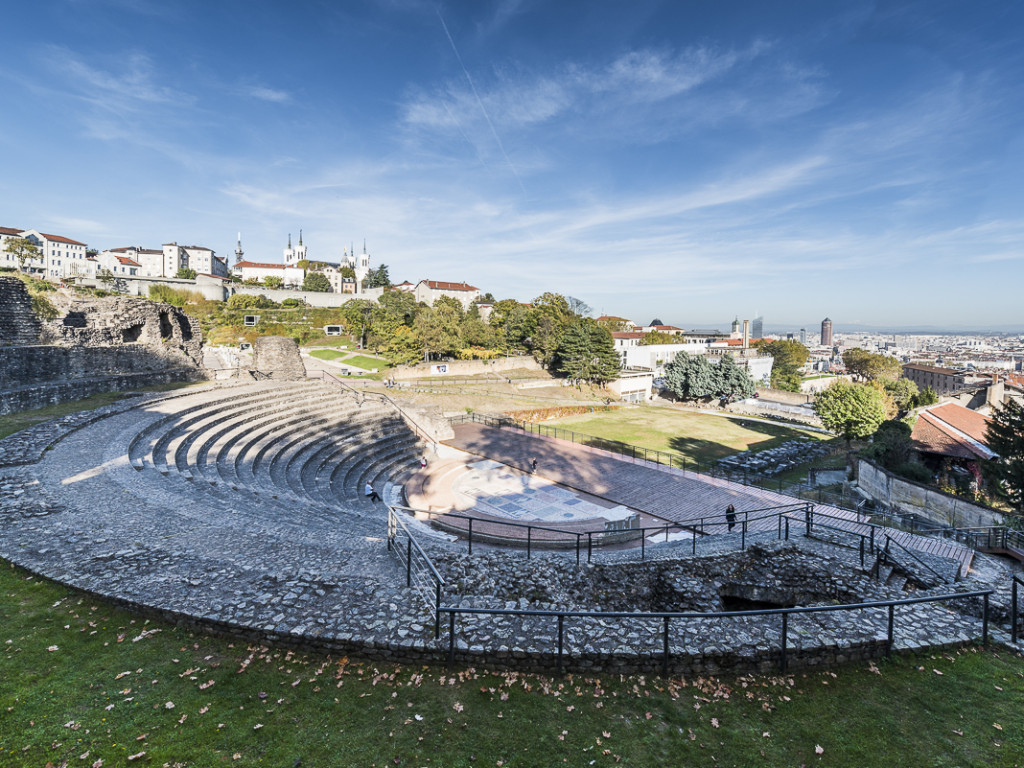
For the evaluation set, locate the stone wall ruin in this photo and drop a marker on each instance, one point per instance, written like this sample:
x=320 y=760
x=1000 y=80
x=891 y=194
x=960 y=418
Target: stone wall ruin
x=93 y=345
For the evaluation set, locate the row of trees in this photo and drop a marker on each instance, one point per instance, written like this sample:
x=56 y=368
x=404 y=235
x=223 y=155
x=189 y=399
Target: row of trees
x=554 y=328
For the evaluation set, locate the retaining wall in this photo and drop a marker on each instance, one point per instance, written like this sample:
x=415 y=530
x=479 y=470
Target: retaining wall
x=922 y=500
x=28 y=398
x=468 y=367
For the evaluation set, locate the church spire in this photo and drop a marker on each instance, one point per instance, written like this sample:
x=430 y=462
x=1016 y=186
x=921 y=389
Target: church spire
x=300 y=237
x=238 y=249
x=289 y=241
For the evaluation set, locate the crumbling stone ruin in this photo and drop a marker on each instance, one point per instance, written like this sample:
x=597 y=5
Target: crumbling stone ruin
x=18 y=323
x=277 y=357
x=92 y=345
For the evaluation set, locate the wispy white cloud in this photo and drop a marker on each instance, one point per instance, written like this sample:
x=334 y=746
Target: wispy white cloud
x=129 y=85
x=267 y=94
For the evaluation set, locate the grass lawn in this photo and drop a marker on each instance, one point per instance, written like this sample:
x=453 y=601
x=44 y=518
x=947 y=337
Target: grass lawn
x=87 y=685
x=368 y=363
x=327 y=354
x=697 y=436
x=14 y=422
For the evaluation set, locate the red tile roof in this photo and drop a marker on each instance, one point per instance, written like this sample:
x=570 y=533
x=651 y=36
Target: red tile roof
x=627 y=335
x=952 y=430
x=9 y=231
x=439 y=285
x=59 y=239
x=128 y=261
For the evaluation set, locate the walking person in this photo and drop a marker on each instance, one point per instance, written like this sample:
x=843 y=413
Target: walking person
x=533 y=466
x=370 y=493
x=730 y=516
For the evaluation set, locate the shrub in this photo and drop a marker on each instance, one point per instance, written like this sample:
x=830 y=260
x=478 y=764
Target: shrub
x=248 y=301
x=43 y=307
x=177 y=297
x=291 y=303
x=911 y=470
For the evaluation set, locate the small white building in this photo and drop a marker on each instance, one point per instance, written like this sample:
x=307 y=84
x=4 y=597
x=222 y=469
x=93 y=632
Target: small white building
x=429 y=291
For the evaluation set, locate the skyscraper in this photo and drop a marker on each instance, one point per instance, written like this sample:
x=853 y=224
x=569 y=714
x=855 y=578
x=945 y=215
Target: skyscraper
x=757 y=327
x=803 y=335
x=826 y=333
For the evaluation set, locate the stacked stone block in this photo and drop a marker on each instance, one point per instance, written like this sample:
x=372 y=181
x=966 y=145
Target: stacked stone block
x=277 y=357
x=18 y=323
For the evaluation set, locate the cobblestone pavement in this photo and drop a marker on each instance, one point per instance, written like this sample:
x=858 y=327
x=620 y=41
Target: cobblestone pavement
x=300 y=557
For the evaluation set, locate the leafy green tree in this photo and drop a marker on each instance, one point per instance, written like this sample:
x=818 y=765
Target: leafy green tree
x=1005 y=436
x=185 y=273
x=692 y=377
x=926 y=396
x=378 y=278
x=658 y=337
x=106 y=277
x=546 y=321
x=788 y=355
x=851 y=410
x=734 y=382
x=438 y=331
x=509 y=320
x=453 y=305
x=251 y=281
x=348 y=272
x=358 y=316
x=891 y=445
x=22 y=249
x=871 y=366
x=586 y=352
x=273 y=282
x=903 y=392
x=316 y=281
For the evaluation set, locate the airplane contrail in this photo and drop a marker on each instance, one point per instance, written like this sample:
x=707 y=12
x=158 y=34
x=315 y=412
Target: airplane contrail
x=479 y=101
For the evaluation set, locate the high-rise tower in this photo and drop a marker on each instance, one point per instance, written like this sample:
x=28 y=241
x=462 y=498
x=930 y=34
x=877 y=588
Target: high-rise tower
x=826 y=333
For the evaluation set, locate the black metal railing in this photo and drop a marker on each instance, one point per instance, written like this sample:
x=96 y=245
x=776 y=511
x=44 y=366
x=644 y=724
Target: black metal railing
x=1014 y=613
x=361 y=396
x=570 y=538
x=888 y=555
x=420 y=572
x=667 y=618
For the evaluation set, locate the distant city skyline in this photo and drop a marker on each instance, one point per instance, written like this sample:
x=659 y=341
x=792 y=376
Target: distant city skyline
x=858 y=160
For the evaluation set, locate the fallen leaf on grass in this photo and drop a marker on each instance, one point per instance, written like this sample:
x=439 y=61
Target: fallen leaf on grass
x=818 y=748
x=997 y=726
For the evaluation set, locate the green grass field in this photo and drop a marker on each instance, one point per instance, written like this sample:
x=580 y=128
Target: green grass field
x=368 y=363
x=84 y=684
x=327 y=354
x=695 y=436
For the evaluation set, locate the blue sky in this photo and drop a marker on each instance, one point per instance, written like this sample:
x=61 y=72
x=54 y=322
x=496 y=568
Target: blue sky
x=690 y=161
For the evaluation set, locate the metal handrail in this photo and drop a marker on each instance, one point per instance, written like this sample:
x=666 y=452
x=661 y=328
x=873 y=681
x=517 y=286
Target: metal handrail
x=888 y=539
x=395 y=523
x=667 y=617
x=1016 y=580
x=696 y=525
x=419 y=430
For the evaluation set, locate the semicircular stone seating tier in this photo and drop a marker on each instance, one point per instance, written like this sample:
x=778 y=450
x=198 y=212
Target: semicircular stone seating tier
x=279 y=446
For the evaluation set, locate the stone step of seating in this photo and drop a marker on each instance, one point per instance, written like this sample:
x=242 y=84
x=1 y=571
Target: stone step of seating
x=270 y=446
x=233 y=447
x=141 y=443
x=208 y=443
x=341 y=463
x=172 y=434
x=353 y=487
x=319 y=484
x=252 y=450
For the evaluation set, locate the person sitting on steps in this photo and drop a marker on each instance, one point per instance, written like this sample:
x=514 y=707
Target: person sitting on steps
x=370 y=493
